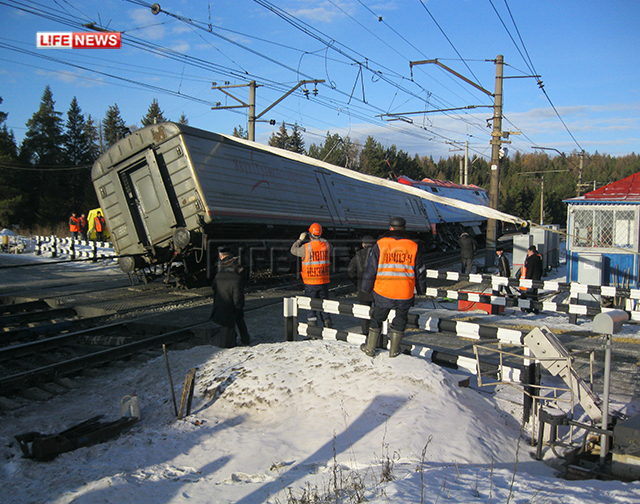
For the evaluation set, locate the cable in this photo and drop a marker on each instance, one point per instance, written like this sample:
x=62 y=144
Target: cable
x=232 y=73
x=450 y=43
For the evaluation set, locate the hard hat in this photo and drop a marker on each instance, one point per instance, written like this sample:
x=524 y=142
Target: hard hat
x=397 y=222
x=315 y=229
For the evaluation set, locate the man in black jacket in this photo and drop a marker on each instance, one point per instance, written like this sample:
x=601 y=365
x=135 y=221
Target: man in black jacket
x=533 y=271
x=228 y=299
x=467 y=250
x=395 y=272
x=504 y=269
x=356 y=270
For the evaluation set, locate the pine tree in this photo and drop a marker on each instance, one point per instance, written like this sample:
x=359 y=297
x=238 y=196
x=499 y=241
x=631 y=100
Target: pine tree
x=9 y=195
x=183 y=119
x=43 y=148
x=281 y=139
x=92 y=153
x=296 y=142
x=335 y=150
x=113 y=127
x=154 y=114
x=44 y=138
x=81 y=153
x=372 y=158
x=240 y=132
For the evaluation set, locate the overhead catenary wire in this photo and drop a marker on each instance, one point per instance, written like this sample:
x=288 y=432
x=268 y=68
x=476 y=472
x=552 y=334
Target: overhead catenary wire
x=174 y=55
x=167 y=53
x=362 y=112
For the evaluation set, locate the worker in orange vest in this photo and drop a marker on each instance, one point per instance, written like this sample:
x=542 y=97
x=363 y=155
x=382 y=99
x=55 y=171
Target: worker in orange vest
x=74 y=226
x=99 y=225
x=82 y=221
x=395 y=271
x=315 y=254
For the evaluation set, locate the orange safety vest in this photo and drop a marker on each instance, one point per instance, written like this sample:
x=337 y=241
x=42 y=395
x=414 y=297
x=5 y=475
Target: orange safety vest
x=99 y=223
x=523 y=274
x=395 y=278
x=315 y=264
x=83 y=223
x=74 y=225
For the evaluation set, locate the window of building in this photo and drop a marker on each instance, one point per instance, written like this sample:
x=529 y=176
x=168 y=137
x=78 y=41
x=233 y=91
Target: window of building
x=604 y=226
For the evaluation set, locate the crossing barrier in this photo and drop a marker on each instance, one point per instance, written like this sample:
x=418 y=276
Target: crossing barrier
x=630 y=296
x=73 y=249
x=418 y=318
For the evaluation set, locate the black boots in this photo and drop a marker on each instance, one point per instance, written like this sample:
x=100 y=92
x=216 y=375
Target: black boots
x=376 y=340
x=372 y=341
x=395 y=337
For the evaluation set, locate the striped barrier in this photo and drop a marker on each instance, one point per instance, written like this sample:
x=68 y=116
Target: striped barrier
x=528 y=304
x=73 y=249
x=418 y=318
x=571 y=287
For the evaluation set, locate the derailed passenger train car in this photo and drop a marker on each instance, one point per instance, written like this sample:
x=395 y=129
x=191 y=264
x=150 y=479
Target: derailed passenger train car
x=170 y=191
x=447 y=221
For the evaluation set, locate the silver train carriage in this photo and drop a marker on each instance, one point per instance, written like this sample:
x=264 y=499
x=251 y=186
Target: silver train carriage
x=170 y=191
x=448 y=222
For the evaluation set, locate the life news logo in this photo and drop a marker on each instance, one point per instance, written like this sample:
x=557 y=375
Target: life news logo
x=78 y=40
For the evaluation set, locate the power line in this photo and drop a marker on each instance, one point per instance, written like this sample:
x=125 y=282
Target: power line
x=355 y=111
x=529 y=63
x=449 y=40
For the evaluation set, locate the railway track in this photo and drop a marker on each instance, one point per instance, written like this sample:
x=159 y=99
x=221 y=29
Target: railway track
x=66 y=327
x=90 y=327
x=41 y=346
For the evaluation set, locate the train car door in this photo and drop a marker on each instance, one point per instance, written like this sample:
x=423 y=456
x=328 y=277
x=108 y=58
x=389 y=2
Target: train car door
x=152 y=199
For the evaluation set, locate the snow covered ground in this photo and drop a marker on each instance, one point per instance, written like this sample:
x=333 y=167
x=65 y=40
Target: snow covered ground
x=290 y=415
x=286 y=422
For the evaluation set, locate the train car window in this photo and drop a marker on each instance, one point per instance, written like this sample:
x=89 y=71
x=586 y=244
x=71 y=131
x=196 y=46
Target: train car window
x=434 y=189
x=146 y=193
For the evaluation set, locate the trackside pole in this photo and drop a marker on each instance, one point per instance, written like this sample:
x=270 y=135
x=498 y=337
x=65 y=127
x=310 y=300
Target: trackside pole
x=290 y=309
x=173 y=394
x=604 y=439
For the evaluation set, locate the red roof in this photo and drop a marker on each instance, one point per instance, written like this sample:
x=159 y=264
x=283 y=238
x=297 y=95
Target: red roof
x=403 y=179
x=627 y=189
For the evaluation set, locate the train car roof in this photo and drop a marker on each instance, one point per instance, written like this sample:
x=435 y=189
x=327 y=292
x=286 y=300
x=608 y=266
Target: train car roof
x=143 y=138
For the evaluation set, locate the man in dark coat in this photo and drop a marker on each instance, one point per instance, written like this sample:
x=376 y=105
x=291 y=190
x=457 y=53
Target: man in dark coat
x=533 y=271
x=84 y=225
x=504 y=269
x=228 y=299
x=395 y=271
x=467 y=250
x=356 y=270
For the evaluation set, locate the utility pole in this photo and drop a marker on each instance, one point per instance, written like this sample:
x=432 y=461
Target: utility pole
x=252 y=101
x=579 y=187
x=496 y=142
x=466 y=162
x=494 y=183
x=464 y=166
x=542 y=202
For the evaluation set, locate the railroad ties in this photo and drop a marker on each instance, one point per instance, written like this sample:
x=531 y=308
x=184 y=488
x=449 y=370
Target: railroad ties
x=42 y=347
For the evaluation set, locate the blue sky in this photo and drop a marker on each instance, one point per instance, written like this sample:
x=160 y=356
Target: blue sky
x=586 y=54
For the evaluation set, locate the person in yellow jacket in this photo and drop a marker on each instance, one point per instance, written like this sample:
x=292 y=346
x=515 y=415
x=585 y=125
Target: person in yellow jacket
x=316 y=264
x=395 y=271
